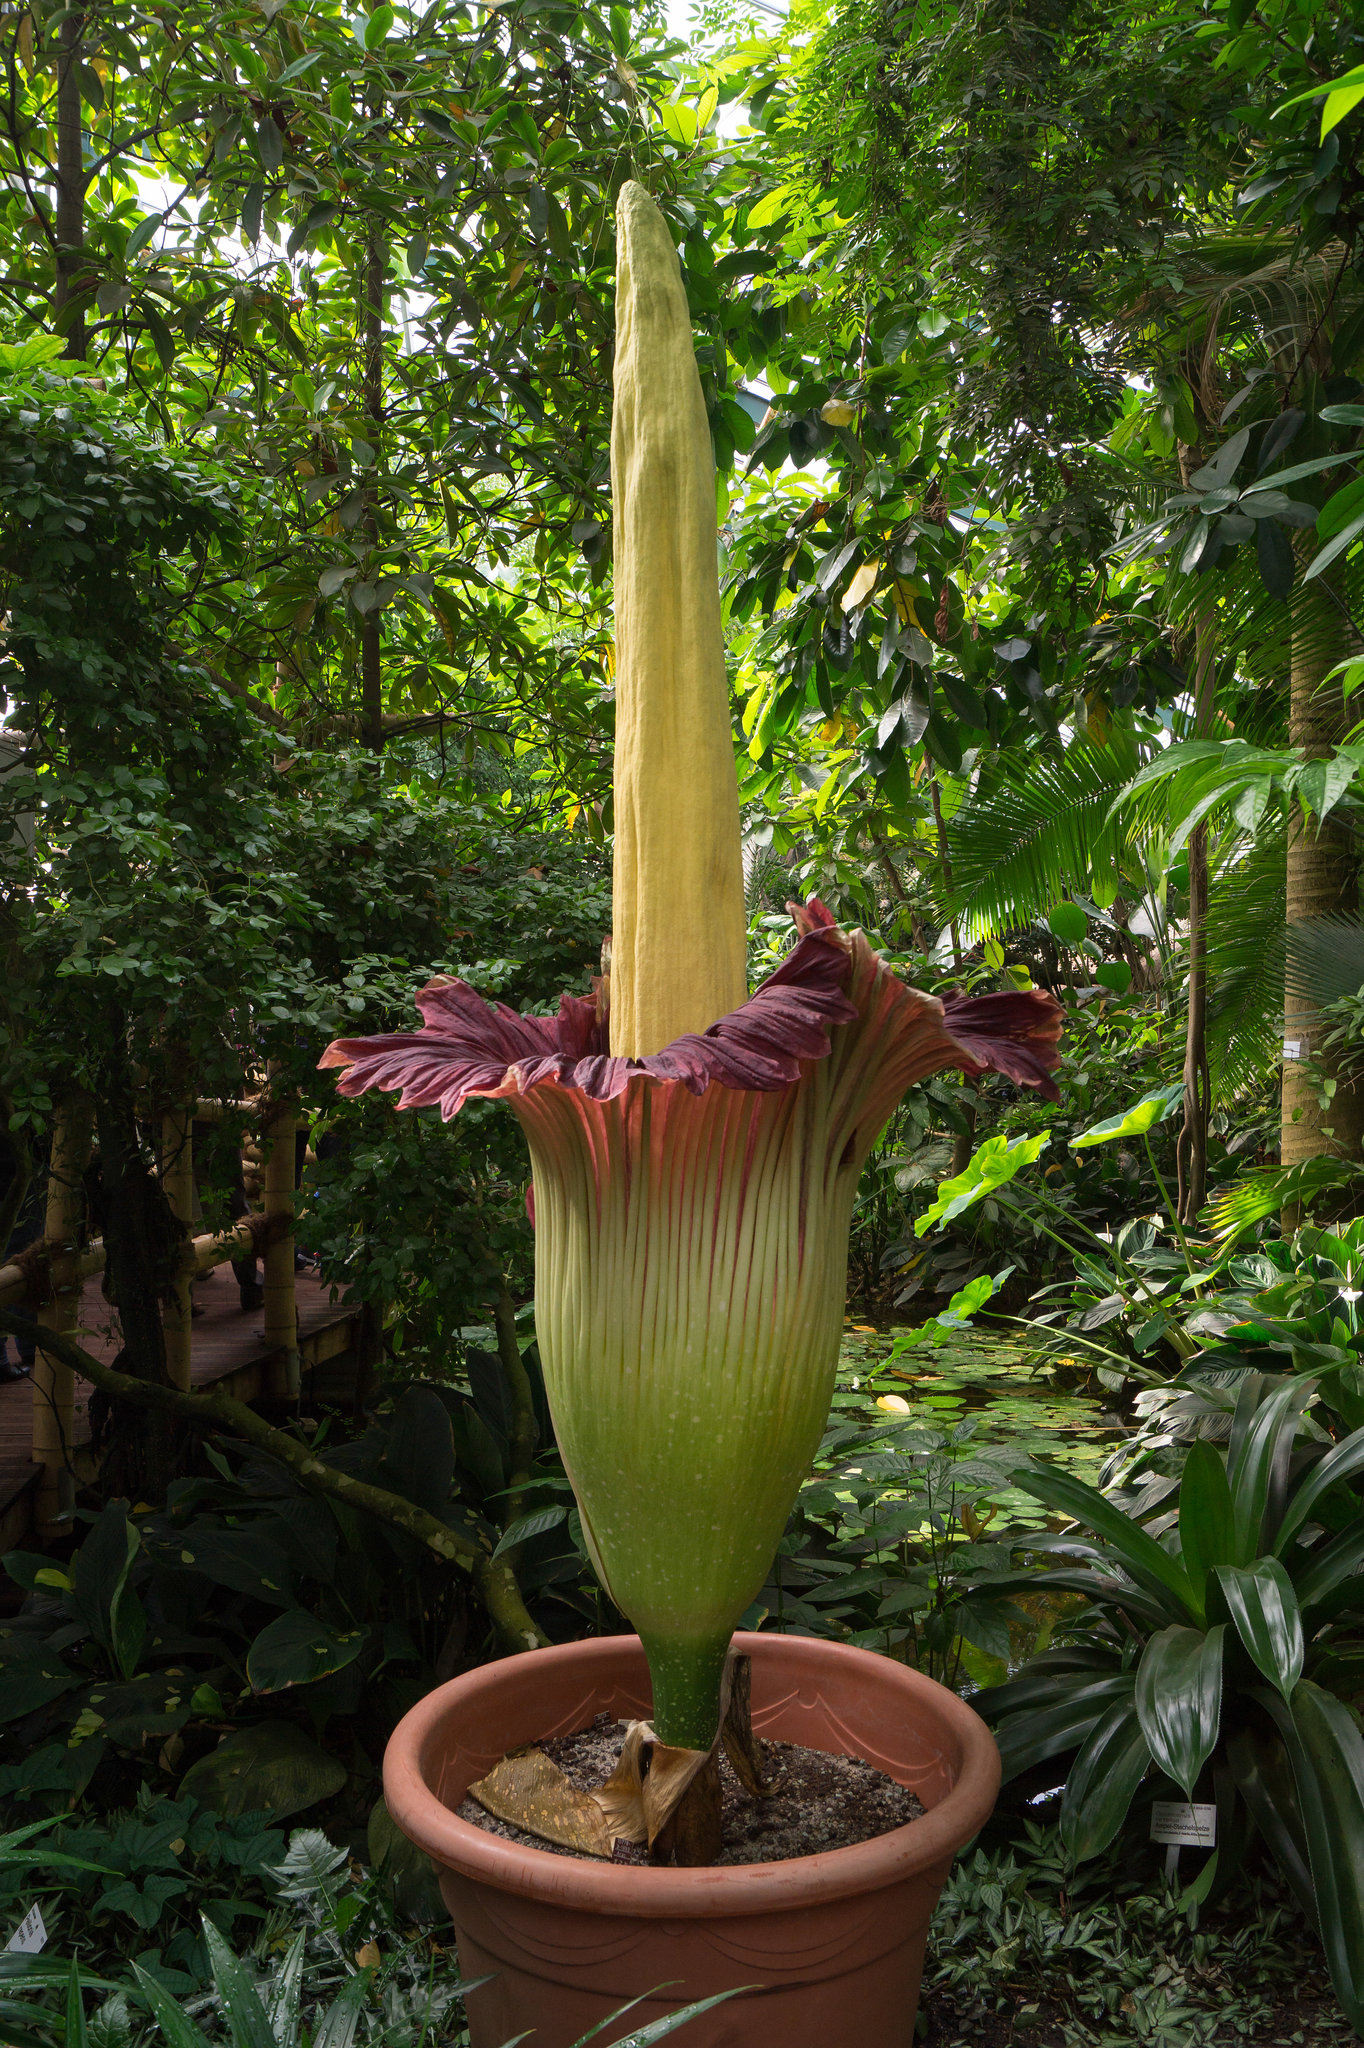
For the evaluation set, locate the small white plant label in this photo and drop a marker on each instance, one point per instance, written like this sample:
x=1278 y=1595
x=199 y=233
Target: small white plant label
x=1292 y=1048
x=1185 y=1827
x=29 y=1936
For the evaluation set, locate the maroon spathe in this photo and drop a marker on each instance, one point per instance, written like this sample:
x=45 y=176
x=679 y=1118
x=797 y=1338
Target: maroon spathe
x=468 y=1046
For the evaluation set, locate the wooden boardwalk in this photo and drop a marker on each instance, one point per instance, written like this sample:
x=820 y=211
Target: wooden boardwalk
x=228 y=1346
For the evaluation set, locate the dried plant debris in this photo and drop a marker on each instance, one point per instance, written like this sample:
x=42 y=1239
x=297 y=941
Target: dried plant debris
x=818 y=1800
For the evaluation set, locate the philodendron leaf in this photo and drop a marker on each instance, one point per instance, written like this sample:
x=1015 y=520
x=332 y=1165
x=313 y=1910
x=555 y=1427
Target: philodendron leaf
x=1179 y=1700
x=1102 y=1780
x=1264 y=1607
x=1143 y=1116
x=990 y=1167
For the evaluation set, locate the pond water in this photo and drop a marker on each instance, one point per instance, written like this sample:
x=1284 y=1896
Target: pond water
x=996 y=1379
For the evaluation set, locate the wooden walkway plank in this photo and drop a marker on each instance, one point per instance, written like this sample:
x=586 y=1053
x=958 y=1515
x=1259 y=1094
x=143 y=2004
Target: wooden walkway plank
x=228 y=1343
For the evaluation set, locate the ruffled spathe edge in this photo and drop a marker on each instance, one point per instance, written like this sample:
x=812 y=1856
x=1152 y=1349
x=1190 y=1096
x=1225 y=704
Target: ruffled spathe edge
x=470 y=1047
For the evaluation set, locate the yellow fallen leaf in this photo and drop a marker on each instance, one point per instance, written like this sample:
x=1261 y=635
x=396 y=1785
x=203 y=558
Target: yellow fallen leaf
x=862 y=586
x=529 y=1790
x=836 y=412
x=367 y=1956
x=894 y=1405
x=904 y=605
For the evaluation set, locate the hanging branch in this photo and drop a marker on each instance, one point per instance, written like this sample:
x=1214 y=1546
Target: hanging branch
x=494 y=1579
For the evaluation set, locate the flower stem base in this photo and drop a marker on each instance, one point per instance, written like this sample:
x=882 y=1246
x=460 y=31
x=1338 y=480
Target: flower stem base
x=687 y=1678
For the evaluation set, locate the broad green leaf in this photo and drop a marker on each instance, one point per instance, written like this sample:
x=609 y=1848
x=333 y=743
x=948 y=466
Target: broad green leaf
x=1207 y=1521
x=1346 y=1461
x=1067 y=923
x=1143 y=1116
x=1137 y=1553
x=1179 y=1700
x=1102 y=1780
x=273 y=1765
x=297 y=1648
x=531 y=1525
x=1329 y=1568
x=991 y=1166
x=1268 y=1440
x=1327 y=1753
x=1065 y=1723
x=1264 y=1607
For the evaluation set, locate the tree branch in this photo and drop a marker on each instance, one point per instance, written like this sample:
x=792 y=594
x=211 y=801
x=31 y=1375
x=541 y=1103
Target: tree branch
x=496 y=1583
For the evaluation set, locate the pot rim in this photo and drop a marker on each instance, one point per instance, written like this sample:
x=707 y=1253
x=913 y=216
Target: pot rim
x=589 y=1885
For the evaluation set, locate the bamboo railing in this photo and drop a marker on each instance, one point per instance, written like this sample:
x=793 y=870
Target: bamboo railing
x=53 y=1272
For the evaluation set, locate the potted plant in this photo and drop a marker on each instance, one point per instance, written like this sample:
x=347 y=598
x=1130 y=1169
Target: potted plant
x=695 y=1153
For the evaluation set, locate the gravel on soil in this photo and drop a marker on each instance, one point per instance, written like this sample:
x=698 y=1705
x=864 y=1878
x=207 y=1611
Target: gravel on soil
x=821 y=1801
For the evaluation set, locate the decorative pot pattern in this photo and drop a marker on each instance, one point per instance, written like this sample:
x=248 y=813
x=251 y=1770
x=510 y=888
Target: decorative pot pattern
x=832 y=1944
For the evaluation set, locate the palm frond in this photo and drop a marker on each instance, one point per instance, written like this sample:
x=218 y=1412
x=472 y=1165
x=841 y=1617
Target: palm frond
x=1246 y=944
x=1265 y=1190
x=1325 y=961
x=1038 y=834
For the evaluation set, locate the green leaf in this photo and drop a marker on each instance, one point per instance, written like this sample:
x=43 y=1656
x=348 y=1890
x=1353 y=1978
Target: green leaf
x=377 y=27
x=140 y=236
x=1207 y=1521
x=1066 y=1722
x=1327 y=1754
x=273 y=1765
x=1268 y=1441
x=1264 y=1607
x=297 y=1648
x=1274 y=553
x=1138 y=1554
x=1340 y=1464
x=1143 y=1116
x=1102 y=1781
x=1114 y=975
x=1335 y=547
x=991 y=1165
x=1068 y=923
x=178 y=2031
x=531 y=1525
x=339 y=2024
x=76 y=2035
x=658 y=2030
x=1179 y=1700
x=247 y=2020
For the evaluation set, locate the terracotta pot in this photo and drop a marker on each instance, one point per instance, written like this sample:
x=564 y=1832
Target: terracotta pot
x=834 y=1943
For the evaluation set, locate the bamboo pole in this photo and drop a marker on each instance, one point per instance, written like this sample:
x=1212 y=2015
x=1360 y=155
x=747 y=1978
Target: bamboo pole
x=53 y=1386
x=281 y=1306
x=208 y=1250
x=177 y=1180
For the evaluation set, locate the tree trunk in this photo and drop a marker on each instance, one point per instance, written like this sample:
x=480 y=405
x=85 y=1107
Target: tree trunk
x=143 y=1240
x=372 y=330
x=1322 y=876
x=1191 y=1152
x=70 y=220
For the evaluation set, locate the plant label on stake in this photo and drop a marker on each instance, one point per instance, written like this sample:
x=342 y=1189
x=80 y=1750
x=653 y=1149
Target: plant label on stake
x=29 y=1936
x=1182 y=1826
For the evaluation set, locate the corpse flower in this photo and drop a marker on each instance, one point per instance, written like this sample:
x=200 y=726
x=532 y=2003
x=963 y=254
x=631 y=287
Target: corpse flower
x=695 y=1154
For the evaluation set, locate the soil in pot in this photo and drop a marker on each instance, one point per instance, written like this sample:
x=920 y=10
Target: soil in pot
x=821 y=1800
